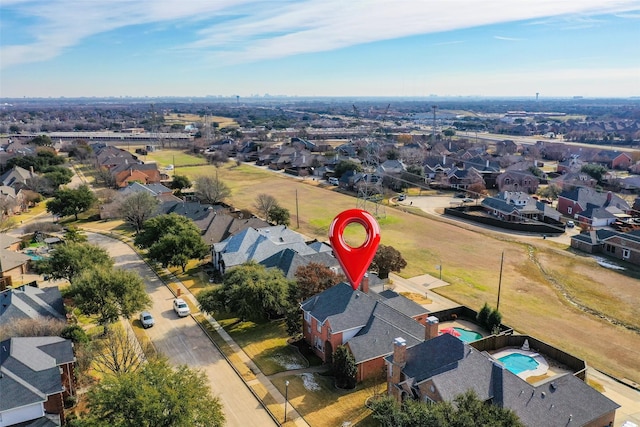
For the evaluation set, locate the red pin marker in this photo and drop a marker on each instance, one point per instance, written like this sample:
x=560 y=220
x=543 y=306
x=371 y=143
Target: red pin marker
x=354 y=261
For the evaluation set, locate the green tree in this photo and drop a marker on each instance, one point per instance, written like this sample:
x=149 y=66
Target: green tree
x=172 y=240
x=279 y=215
x=180 y=182
x=109 y=293
x=42 y=140
x=74 y=234
x=264 y=203
x=483 y=315
x=251 y=291
x=551 y=191
x=156 y=395
x=467 y=410
x=58 y=175
x=386 y=260
x=493 y=320
x=210 y=189
x=67 y=202
x=138 y=207
x=344 y=166
x=344 y=367
x=449 y=132
x=67 y=261
x=594 y=171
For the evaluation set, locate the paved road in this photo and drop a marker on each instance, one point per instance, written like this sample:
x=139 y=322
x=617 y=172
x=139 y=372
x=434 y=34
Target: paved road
x=183 y=342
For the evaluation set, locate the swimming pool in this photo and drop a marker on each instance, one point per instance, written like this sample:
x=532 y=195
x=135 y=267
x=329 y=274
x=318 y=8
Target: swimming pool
x=467 y=335
x=517 y=363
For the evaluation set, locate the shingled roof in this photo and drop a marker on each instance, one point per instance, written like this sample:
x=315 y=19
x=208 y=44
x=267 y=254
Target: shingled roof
x=454 y=367
x=28 y=302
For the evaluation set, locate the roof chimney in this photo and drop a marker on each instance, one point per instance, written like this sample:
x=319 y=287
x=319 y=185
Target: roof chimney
x=399 y=351
x=364 y=283
x=431 y=328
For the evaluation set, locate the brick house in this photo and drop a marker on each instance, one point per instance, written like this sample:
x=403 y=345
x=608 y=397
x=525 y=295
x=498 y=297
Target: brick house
x=623 y=246
x=38 y=374
x=517 y=180
x=441 y=368
x=573 y=202
x=363 y=321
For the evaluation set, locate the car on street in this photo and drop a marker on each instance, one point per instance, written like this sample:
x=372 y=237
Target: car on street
x=467 y=200
x=402 y=197
x=571 y=224
x=147 y=319
x=180 y=307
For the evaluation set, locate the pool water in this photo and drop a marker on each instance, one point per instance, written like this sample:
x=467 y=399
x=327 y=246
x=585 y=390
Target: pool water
x=516 y=362
x=467 y=335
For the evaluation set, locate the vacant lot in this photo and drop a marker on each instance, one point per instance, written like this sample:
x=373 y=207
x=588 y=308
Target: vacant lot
x=185 y=119
x=536 y=275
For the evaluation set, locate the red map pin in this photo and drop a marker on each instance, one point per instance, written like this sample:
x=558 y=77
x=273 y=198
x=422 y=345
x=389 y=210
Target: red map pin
x=354 y=261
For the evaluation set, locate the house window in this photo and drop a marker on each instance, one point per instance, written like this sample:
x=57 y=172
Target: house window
x=626 y=253
x=307 y=317
x=569 y=210
x=318 y=327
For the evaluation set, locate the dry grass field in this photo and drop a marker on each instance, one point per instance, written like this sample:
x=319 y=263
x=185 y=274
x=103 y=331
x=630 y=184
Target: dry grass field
x=537 y=273
x=185 y=119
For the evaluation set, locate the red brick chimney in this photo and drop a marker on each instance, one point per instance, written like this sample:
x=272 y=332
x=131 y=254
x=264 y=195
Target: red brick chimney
x=431 y=328
x=364 y=283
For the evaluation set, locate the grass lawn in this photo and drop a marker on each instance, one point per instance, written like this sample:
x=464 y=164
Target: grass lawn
x=266 y=345
x=315 y=397
x=166 y=157
x=536 y=273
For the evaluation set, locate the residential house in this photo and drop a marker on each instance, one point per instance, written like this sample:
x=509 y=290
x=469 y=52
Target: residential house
x=288 y=260
x=13 y=264
x=462 y=179
x=224 y=225
x=257 y=245
x=506 y=146
x=569 y=180
x=623 y=246
x=17 y=177
x=36 y=376
x=518 y=180
x=631 y=183
x=363 y=321
x=29 y=302
x=138 y=172
x=613 y=159
x=513 y=206
x=158 y=191
x=574 y=201
x=443 y=367
x=12 y=201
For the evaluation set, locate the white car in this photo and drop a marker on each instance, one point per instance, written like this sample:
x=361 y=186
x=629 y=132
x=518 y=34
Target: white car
x=146 y=319
x=180 y=307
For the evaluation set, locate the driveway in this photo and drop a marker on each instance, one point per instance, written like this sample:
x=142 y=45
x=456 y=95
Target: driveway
x=183 y=342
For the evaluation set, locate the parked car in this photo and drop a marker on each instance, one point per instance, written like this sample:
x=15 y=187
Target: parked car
x=180 y=307
x=147 y=319
x=468 y=200
x=334 y=181
x=402 y=197
x=459 y=196
x=571 y=224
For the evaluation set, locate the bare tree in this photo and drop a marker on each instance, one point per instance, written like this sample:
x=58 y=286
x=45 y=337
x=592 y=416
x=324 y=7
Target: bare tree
x=39 y=327
x=119 y=352
x=138 y=207
x=264 y=203
x=210 y=189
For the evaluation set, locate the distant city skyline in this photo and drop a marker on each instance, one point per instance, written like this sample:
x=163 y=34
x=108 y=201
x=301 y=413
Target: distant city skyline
x=375 y=48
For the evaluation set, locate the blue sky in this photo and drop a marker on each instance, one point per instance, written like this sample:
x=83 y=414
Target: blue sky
x=71 y=48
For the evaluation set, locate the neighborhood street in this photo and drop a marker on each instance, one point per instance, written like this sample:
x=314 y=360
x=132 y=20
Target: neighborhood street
x=183 y=342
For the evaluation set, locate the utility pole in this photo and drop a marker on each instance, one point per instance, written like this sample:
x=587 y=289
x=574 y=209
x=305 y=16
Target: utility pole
x=500 y=282
x=297 y=212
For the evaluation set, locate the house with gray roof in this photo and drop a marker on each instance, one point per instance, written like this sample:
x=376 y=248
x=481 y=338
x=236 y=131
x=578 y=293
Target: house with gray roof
x=257 y=244
x=573 y=202
x=29 y=302
x=36 y=375
x=13 y=264
x=363 y=321
x=443 y=367
x=623 y=246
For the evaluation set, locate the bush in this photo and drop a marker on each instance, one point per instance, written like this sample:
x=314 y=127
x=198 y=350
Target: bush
x=493 y=321
x=75 y=333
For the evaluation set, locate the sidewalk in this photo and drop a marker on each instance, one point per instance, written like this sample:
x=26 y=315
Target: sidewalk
x=292 y=414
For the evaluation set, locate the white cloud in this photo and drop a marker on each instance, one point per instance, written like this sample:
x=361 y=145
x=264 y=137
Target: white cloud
x=510 y=39
x=250 y=30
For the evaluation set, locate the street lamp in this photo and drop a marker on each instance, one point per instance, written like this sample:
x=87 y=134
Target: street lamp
x=286 y=399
